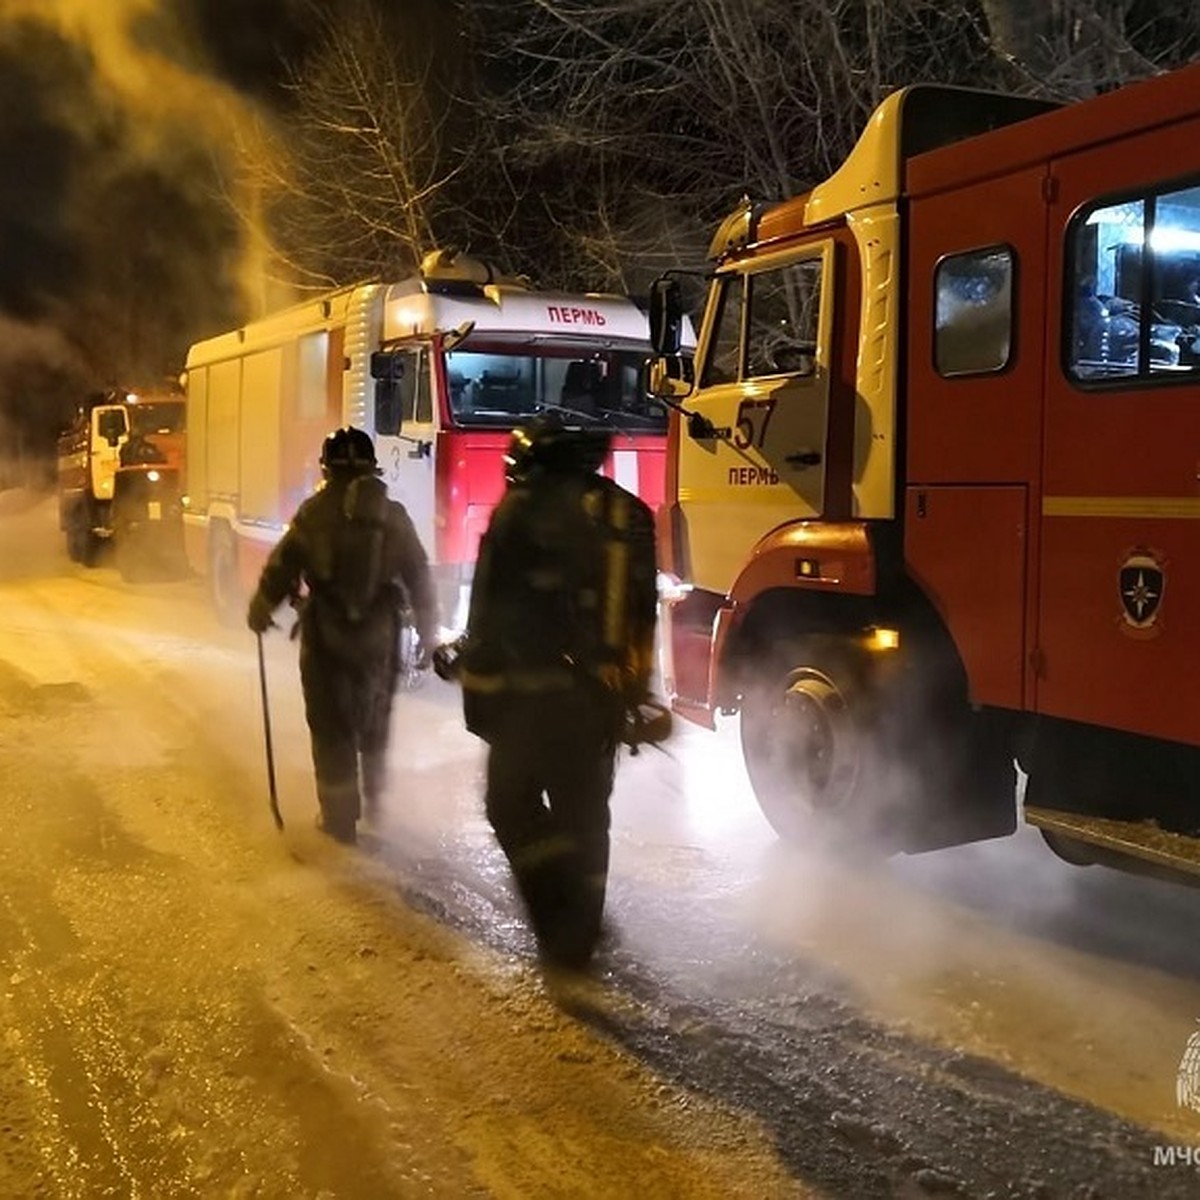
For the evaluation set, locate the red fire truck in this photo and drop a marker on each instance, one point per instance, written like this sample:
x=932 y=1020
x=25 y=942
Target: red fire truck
x=934 y=495
x=438 y=368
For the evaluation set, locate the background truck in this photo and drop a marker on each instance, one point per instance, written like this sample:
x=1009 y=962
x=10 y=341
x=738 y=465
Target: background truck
x=438 y=369
x=935 y=505
x=120 y=479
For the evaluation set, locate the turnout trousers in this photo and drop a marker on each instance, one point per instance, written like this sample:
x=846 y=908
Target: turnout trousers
x=549 y=778
x=348 y=708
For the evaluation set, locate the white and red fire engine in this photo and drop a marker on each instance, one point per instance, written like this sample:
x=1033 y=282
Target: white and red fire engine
x=937 y=503
x=438 y=369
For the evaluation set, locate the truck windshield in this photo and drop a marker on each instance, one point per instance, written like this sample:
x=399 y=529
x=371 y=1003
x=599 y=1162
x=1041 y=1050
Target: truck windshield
x=501 y=387
x=152 y=418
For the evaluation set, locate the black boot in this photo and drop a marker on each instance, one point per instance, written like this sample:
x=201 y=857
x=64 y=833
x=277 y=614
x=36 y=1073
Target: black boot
x=338 y=828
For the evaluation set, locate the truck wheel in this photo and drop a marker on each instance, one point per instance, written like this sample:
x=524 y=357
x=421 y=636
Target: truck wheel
x=91 y=549
x=83 y=546
x=74 y=549
x=806 y=739
x=224 y=586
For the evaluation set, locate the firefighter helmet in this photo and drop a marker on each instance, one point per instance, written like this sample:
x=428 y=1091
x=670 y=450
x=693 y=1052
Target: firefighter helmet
x=349 y=450
x=546 y=443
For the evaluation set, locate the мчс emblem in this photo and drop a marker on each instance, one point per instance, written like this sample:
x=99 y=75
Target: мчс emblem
x=1141 y=583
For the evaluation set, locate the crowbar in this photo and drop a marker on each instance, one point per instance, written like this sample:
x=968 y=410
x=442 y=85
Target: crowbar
x=262 y=680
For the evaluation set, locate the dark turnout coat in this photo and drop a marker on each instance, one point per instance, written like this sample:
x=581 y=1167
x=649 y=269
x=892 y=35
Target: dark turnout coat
x=357 y=556
x=361 y=562
x=564 y=590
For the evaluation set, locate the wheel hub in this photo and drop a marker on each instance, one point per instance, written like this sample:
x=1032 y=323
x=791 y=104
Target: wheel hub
x=818 y=731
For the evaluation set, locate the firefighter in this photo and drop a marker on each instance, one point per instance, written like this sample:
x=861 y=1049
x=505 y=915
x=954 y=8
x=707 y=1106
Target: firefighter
x=559 y=647
x=358 y=559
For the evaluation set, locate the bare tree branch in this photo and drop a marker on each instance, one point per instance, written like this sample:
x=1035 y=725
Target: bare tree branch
x=603 y=138
x=360 y=184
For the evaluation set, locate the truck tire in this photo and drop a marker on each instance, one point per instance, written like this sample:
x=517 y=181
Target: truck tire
x=806 y=731
x=842 y=748
x=224 y=584
x=83 y=546
x=74 y=550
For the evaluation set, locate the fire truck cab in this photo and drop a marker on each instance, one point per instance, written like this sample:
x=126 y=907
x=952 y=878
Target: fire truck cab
x=935 y=506
x=438 y=369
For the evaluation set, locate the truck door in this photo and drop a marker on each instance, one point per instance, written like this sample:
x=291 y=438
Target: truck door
x=109 y=429
x=407 y=459
x=1120 y=554
x=764 y=388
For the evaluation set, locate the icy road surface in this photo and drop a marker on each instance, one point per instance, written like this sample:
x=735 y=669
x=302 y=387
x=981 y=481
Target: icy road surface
x=195 y=1005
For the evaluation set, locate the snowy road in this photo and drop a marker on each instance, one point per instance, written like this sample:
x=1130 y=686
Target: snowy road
x=194 y=1005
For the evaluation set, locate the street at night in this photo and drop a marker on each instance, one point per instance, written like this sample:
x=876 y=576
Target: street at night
x=407 y=405
x=195 y=1004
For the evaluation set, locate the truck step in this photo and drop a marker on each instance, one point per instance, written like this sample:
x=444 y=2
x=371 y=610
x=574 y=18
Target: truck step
x=1139 y=841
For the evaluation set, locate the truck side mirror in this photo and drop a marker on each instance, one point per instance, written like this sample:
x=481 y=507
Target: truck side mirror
x=669 y=376
x=387 y=369
x=666 y=316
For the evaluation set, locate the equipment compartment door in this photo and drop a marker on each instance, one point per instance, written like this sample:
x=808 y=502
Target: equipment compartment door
x=966 y=549
x=976 y=307
x=1120 y=514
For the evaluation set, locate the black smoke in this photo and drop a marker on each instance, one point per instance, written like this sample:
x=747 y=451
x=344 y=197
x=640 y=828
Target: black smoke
x=117 y=249
x=42 y=79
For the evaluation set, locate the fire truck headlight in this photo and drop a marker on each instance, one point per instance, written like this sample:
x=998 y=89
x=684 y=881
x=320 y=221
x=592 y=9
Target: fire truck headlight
x=880 y=640
x=153 y=476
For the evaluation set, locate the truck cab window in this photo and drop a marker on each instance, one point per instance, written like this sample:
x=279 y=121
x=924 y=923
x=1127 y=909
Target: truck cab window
x=413 y=388
x=781 y=327
x=507 y=384
x=113 y=425
x=165 y=417
x=1134 y=289
x=722 y=363
x=973 y=320
x=423 y=401
x=1175 y=283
